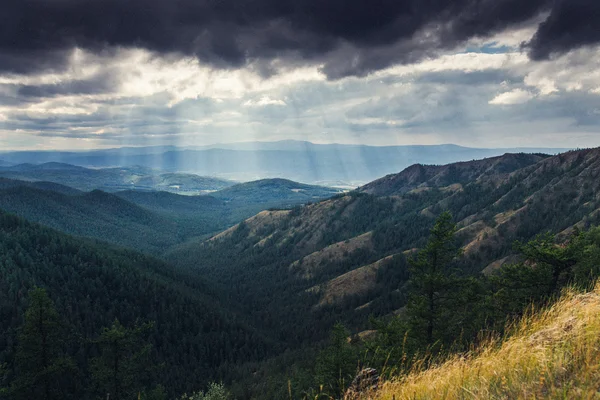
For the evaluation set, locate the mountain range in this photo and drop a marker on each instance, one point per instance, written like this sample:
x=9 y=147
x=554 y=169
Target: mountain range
x=285 y=260
x=325 y=164
x=345 y=258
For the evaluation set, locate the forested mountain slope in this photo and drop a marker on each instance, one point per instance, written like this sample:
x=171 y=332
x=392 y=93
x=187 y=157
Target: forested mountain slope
x=285 y=263
x=420 y=176
x=146 y=220
x=6 y=183
x=95 y=214
x=195 y=334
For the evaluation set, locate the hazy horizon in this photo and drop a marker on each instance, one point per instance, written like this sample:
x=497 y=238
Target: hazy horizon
x=281 y=141
x=323 y=164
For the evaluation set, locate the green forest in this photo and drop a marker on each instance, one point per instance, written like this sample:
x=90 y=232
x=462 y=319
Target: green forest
x=71 y=347
x=92 y=285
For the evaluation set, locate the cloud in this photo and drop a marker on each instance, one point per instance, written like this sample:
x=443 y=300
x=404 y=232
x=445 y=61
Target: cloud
x=576 y=71
x=133 y=96
x=264 y=101
x=571 y=24
x=342 y=37
x=516 y=96
x=102 y=83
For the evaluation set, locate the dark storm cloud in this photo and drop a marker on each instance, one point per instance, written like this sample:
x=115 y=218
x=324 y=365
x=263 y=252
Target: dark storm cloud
x=351 y=37
x=571 y=24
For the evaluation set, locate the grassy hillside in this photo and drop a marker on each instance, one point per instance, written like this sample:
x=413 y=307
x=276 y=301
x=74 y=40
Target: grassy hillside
x=550 y=354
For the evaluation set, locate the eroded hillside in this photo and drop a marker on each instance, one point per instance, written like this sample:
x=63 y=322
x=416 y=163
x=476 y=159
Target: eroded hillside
x=320 y=259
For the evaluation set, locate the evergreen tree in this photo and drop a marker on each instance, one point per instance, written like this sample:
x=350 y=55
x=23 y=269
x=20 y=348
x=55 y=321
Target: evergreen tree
x=431 y=282
x=3 y=374
x=586 y=248
x=336 y=364
x=543 y=250
x=40 y=365
x=549 y=267
x=123 y=365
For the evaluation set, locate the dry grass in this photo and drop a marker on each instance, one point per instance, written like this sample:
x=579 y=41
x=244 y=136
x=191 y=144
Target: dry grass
x=313 y=262
x=551 y=354
x=356 y=282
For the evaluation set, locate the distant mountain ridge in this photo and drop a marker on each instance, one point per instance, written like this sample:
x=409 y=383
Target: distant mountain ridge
x=270 y=190
x=296 y=160
x=299 y=145
x=114 y=179
x=52 y=186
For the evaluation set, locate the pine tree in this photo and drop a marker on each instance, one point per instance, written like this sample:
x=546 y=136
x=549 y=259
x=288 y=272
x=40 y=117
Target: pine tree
x=336 y=364
x=430 y=281
x=3 y=389
x=40 y=365
x=123 y=365
x=544 y=250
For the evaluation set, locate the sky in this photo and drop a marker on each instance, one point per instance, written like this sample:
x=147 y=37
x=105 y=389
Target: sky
x=80 y=74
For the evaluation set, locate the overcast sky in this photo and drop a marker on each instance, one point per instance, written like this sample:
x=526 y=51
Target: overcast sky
x=481 y=73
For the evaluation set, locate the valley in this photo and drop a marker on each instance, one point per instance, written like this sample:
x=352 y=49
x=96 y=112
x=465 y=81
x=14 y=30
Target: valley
x=147 y=220
x=495 y=202
x=278 y=263
x=299 y=200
